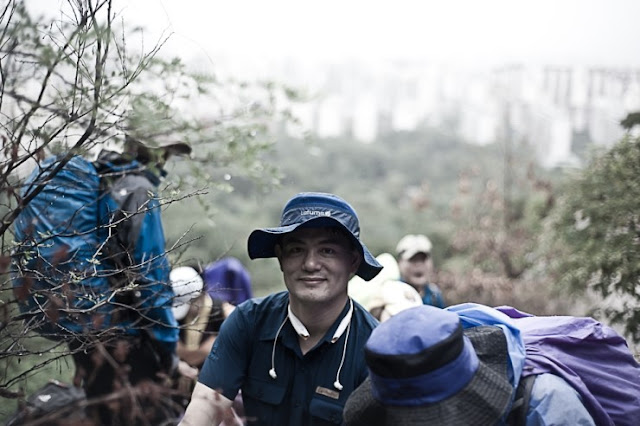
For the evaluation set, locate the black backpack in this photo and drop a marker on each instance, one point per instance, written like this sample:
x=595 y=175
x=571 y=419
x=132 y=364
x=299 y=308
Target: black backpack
x=61 y=402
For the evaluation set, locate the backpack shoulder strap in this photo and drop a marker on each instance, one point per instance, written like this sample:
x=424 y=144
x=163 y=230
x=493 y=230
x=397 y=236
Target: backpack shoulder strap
x=518 y=414
x=197 y=324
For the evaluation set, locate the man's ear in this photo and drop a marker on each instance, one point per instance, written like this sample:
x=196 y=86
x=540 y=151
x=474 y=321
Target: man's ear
x=357 y=260
x=278 y=250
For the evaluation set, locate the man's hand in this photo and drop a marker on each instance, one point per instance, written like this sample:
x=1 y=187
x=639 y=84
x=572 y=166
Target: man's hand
x=208 y=407
x=231 y=418
x=187 y=371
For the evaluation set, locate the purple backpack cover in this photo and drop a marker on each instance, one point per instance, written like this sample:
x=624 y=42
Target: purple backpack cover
x=593 y=358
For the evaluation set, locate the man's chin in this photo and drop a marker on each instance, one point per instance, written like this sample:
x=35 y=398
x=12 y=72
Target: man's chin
x=310 y=295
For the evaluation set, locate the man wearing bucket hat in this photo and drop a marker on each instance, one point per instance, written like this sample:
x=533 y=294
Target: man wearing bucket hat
x=425 y=369
x=296 y=355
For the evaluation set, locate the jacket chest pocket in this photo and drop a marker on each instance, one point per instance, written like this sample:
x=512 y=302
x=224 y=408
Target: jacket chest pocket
x=324 y=412
x=262 y=400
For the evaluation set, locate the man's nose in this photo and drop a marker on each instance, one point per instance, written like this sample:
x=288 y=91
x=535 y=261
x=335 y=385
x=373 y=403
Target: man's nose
x=311 y=260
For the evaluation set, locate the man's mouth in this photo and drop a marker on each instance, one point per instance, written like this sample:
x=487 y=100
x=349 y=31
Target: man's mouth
x=312 y=280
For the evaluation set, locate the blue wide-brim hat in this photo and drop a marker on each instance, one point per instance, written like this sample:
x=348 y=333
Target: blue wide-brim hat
x=315 y=209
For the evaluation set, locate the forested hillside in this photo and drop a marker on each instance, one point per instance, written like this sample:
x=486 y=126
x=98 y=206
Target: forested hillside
x=481 y=205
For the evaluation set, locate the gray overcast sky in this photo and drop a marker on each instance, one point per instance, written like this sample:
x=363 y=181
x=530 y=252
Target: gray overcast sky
x=467 y=31
x=480 y=32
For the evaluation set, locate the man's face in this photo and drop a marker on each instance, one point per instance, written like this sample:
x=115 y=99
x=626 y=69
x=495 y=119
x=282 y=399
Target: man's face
x=416 y=270
x=317 y=264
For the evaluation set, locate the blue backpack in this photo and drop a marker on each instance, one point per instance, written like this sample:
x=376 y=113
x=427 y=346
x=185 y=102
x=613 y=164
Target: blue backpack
x=59 y=276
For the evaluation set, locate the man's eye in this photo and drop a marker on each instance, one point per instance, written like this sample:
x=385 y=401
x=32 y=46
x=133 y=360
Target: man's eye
x=329 y=250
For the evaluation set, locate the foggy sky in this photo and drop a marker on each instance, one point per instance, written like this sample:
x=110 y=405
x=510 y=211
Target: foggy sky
x=590 y=32
x=468 y=32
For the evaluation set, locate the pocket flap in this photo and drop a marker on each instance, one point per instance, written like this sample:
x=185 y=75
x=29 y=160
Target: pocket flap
x=326 y=410
x=264 y=391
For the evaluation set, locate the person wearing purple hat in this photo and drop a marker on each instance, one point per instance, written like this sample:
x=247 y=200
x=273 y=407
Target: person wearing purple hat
x=228 y=280
x=296 y=355
x=200 y=311
x=227 y=283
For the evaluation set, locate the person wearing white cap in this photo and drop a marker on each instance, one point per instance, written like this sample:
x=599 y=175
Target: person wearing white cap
x=416 y=267
x=384 y=295
x=187 y=286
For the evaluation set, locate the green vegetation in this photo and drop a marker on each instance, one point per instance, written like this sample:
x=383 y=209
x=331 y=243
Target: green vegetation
x=598 y=227
x=505 y=231
x=72 y=84
x=424 y=181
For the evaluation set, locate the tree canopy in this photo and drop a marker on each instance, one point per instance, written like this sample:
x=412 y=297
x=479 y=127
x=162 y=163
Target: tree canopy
x=598 y=224
x=78 y=82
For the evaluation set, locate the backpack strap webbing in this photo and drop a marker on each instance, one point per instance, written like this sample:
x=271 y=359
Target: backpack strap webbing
x=197 y=324
x=518 y=414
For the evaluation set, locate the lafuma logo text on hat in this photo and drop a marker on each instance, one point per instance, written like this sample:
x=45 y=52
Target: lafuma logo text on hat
x=315 y=213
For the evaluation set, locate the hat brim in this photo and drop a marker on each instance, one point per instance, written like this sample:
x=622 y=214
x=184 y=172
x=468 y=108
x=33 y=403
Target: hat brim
x=409 y=253
x=175 y=148
x=484 y=400
x=262 y=242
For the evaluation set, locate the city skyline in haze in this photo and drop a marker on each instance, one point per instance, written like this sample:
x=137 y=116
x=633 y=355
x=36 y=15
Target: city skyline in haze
x=411 y=62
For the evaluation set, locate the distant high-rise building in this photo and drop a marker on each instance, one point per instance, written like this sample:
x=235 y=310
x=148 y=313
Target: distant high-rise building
x=558 y=109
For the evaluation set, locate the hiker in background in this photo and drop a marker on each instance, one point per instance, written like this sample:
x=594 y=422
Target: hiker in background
x=144 y=340
x=187 y=285
x=384 y=295
x=391 y=298
x=425 y=369
x=592 y=357
x=227 y=283
x=416 y=268
x=297 y=354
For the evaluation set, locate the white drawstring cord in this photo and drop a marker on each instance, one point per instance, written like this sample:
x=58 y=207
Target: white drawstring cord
x=272 y=372
x=345 y=323
x=337 y=383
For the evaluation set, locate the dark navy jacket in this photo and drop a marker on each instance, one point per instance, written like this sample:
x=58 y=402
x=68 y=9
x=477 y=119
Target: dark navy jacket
x=303 y=392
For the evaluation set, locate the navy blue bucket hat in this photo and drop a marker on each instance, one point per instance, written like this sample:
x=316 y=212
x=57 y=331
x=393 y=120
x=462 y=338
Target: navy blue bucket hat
x=314 y=209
